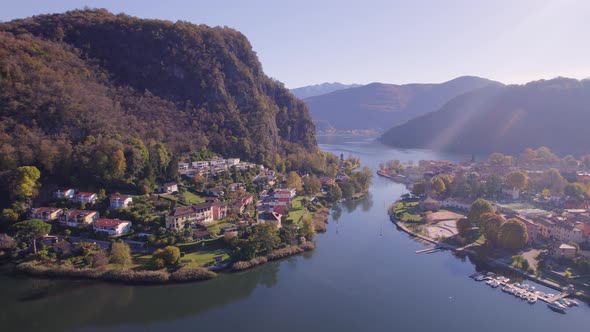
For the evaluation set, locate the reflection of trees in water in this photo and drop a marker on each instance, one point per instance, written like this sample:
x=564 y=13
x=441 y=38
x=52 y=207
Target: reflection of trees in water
x=63 y=305
x=366 y=203
x=336 y=212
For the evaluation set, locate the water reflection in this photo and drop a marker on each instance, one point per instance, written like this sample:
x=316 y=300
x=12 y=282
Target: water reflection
x=82 y=303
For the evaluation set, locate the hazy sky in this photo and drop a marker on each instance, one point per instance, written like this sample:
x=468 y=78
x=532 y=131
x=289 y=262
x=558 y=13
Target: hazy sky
x=302 y=42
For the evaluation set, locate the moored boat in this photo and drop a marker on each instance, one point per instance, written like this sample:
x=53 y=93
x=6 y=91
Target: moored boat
x=555 y=306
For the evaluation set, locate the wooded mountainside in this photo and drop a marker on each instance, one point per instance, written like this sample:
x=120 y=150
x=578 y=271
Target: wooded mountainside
x=99 y=99
x=508 y=119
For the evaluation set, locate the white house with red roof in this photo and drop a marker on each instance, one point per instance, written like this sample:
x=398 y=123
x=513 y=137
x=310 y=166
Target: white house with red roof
x=119 y=201
x=85 y=197
x=113 y=227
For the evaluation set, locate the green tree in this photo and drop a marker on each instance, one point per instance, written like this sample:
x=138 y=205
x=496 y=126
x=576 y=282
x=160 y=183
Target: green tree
x=513 y=234
x=9 y=216
x=418 y=188
x=169 y=256
x=265 y=238
x=120 y=254
x=307 y=228
x=438 y=185
x=312 y=184
x=294 y=181
x=478 y=208
x=490 y=227
x=347 y=189
x=334 y=193
x=552 y=180
x=25 y=183
x=67 y=234
x=575 y=190
x=517 y=179
x=32 y=229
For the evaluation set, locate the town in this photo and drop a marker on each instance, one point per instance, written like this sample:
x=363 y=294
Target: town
x=529 y=213
x=221 y=214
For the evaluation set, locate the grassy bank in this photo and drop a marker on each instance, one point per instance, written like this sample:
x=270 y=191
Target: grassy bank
x=122 y=275
x=274 y=255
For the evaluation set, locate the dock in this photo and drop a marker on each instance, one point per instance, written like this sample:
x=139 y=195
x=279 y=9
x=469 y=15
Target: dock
x=428 y=250
x=557 y=297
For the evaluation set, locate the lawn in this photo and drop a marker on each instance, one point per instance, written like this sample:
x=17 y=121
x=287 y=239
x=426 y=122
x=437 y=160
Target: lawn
x=407 y=211
x=202 y=258
x=215 y=228
x=196 y=258
x=189 y=198
x=297 y=209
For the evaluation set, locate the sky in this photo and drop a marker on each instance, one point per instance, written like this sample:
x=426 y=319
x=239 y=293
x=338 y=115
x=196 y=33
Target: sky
x=302 y=42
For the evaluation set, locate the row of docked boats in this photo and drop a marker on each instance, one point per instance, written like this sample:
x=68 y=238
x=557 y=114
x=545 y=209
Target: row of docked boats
x=524 y=291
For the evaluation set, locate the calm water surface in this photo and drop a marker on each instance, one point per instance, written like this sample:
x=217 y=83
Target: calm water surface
x=363 y=276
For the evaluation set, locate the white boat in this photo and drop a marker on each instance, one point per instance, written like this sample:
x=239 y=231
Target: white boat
x=495 y=284
x=556 y=307
x=574 y=302
x=532 y=288
x=480 y=277
x=532 y=299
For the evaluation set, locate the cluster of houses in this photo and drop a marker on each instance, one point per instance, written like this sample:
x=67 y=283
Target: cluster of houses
x=81 y=219
x=566 y=223
x=213 y=166
x=76 y=196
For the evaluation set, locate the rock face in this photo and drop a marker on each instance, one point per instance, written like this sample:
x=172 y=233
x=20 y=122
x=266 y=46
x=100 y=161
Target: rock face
x=379 y=106
x=507 y=119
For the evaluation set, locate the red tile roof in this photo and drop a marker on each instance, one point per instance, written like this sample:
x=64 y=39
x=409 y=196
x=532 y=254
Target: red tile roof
x=110 y=222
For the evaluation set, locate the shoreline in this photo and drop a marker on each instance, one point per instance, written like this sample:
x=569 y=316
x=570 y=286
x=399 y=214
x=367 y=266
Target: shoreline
x=148 y=277
x=492 y=263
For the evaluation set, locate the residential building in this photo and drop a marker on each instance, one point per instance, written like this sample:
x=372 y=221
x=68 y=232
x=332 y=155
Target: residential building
x=45 y=213
x=545 y=227
x=112 y=227
x=119 y=201
x=195 y=214
x=77 y=218
x=67 y=193
x=565 y=251
x=285 y=193
x=567 y=232
x=168 y=188
x=85 y=198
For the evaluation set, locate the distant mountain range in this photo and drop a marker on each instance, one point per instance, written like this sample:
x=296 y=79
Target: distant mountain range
x=553 y=113
x=320 y=89
x=379 y=106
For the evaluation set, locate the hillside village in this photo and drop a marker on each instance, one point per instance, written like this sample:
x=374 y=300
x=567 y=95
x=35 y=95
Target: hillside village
x=219 y=213
x=533 y=208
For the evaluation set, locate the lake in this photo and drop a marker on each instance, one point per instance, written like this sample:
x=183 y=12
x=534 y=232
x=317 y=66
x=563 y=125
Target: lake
x=363 y=276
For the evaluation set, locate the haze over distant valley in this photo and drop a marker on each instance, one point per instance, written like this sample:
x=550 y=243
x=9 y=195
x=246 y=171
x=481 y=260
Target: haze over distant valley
x=379 y=106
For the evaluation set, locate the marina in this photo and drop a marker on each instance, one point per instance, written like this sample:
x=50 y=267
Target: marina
x=556 y=302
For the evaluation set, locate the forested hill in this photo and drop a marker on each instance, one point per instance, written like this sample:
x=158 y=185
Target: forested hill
x=92 y=96
x=552 y=113
x=379 y=106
